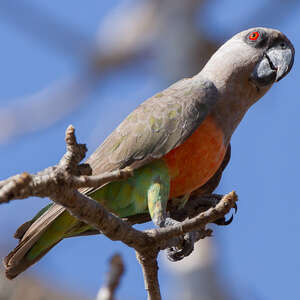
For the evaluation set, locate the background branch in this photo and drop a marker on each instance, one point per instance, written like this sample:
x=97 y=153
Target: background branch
x=116 y=270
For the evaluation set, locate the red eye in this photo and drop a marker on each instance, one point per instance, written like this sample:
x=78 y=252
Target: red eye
x=254 y=36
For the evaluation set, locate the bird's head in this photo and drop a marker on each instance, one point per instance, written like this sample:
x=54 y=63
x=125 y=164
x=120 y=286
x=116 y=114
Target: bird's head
x=258 y=57
x=276 y=55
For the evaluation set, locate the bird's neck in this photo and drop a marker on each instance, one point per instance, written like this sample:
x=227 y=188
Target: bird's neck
x=236 y=94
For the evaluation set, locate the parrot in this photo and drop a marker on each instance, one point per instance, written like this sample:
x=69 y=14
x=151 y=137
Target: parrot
x=175 y=142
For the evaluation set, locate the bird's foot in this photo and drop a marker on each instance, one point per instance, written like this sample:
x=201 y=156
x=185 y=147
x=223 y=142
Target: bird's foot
x=184 y=248
x=185 y=244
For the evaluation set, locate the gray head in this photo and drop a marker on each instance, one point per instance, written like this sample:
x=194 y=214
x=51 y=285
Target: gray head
x=256 y=57
x=244 y=69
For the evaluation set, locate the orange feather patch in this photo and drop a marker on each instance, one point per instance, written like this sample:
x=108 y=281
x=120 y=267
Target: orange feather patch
x=195 y=161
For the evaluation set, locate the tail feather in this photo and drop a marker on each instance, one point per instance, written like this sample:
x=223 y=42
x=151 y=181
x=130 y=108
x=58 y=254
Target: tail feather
x=15 y=262
x=22 y=229
x=13 y=271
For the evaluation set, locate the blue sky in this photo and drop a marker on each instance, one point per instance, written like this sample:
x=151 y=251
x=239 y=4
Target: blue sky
x=258 y=252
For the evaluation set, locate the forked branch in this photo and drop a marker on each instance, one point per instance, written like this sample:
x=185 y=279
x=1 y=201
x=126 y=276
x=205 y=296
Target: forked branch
x=60 y=184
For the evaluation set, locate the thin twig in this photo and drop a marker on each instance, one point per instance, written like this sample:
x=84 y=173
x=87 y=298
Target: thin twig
x=101 y=179
x=116 y=270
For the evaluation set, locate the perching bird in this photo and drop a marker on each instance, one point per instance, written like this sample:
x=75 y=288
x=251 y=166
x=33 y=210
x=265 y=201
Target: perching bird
x=175 y=142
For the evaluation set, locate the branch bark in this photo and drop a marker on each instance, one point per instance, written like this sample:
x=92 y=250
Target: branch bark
x=60 y=184
x=150 y=272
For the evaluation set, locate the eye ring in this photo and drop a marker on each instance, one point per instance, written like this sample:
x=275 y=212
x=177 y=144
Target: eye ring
x=254 y=36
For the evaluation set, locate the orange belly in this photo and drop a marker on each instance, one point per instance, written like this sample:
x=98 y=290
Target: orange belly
x=195 y=161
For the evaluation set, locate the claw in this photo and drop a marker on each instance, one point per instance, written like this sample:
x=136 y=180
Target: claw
x=228 y=221
x=235 y=208
x=223 y=221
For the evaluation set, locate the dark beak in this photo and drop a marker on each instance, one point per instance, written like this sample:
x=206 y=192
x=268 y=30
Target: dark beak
x=282 y=60
x=276 y=63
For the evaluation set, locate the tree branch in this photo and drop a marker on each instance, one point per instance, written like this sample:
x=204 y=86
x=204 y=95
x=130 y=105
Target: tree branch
x=60 y=184
x=107 y=292
x=150 y=272
x=198 y=222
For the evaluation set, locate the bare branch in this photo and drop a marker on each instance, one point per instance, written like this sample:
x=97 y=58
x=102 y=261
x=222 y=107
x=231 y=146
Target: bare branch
x=135 y=32
x=94 y=214
x=198 y=222
x=150 y=272
x=35 y=21
x=107 y=292
x=99 y=180
x=60 y=184
x=75 y=152
x=44 y=108
x=64 y=97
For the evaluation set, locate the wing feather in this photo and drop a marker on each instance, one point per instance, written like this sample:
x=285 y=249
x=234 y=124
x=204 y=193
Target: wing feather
x=157 y=126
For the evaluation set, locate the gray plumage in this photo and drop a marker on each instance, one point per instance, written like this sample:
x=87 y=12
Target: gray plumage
x=235 y=77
